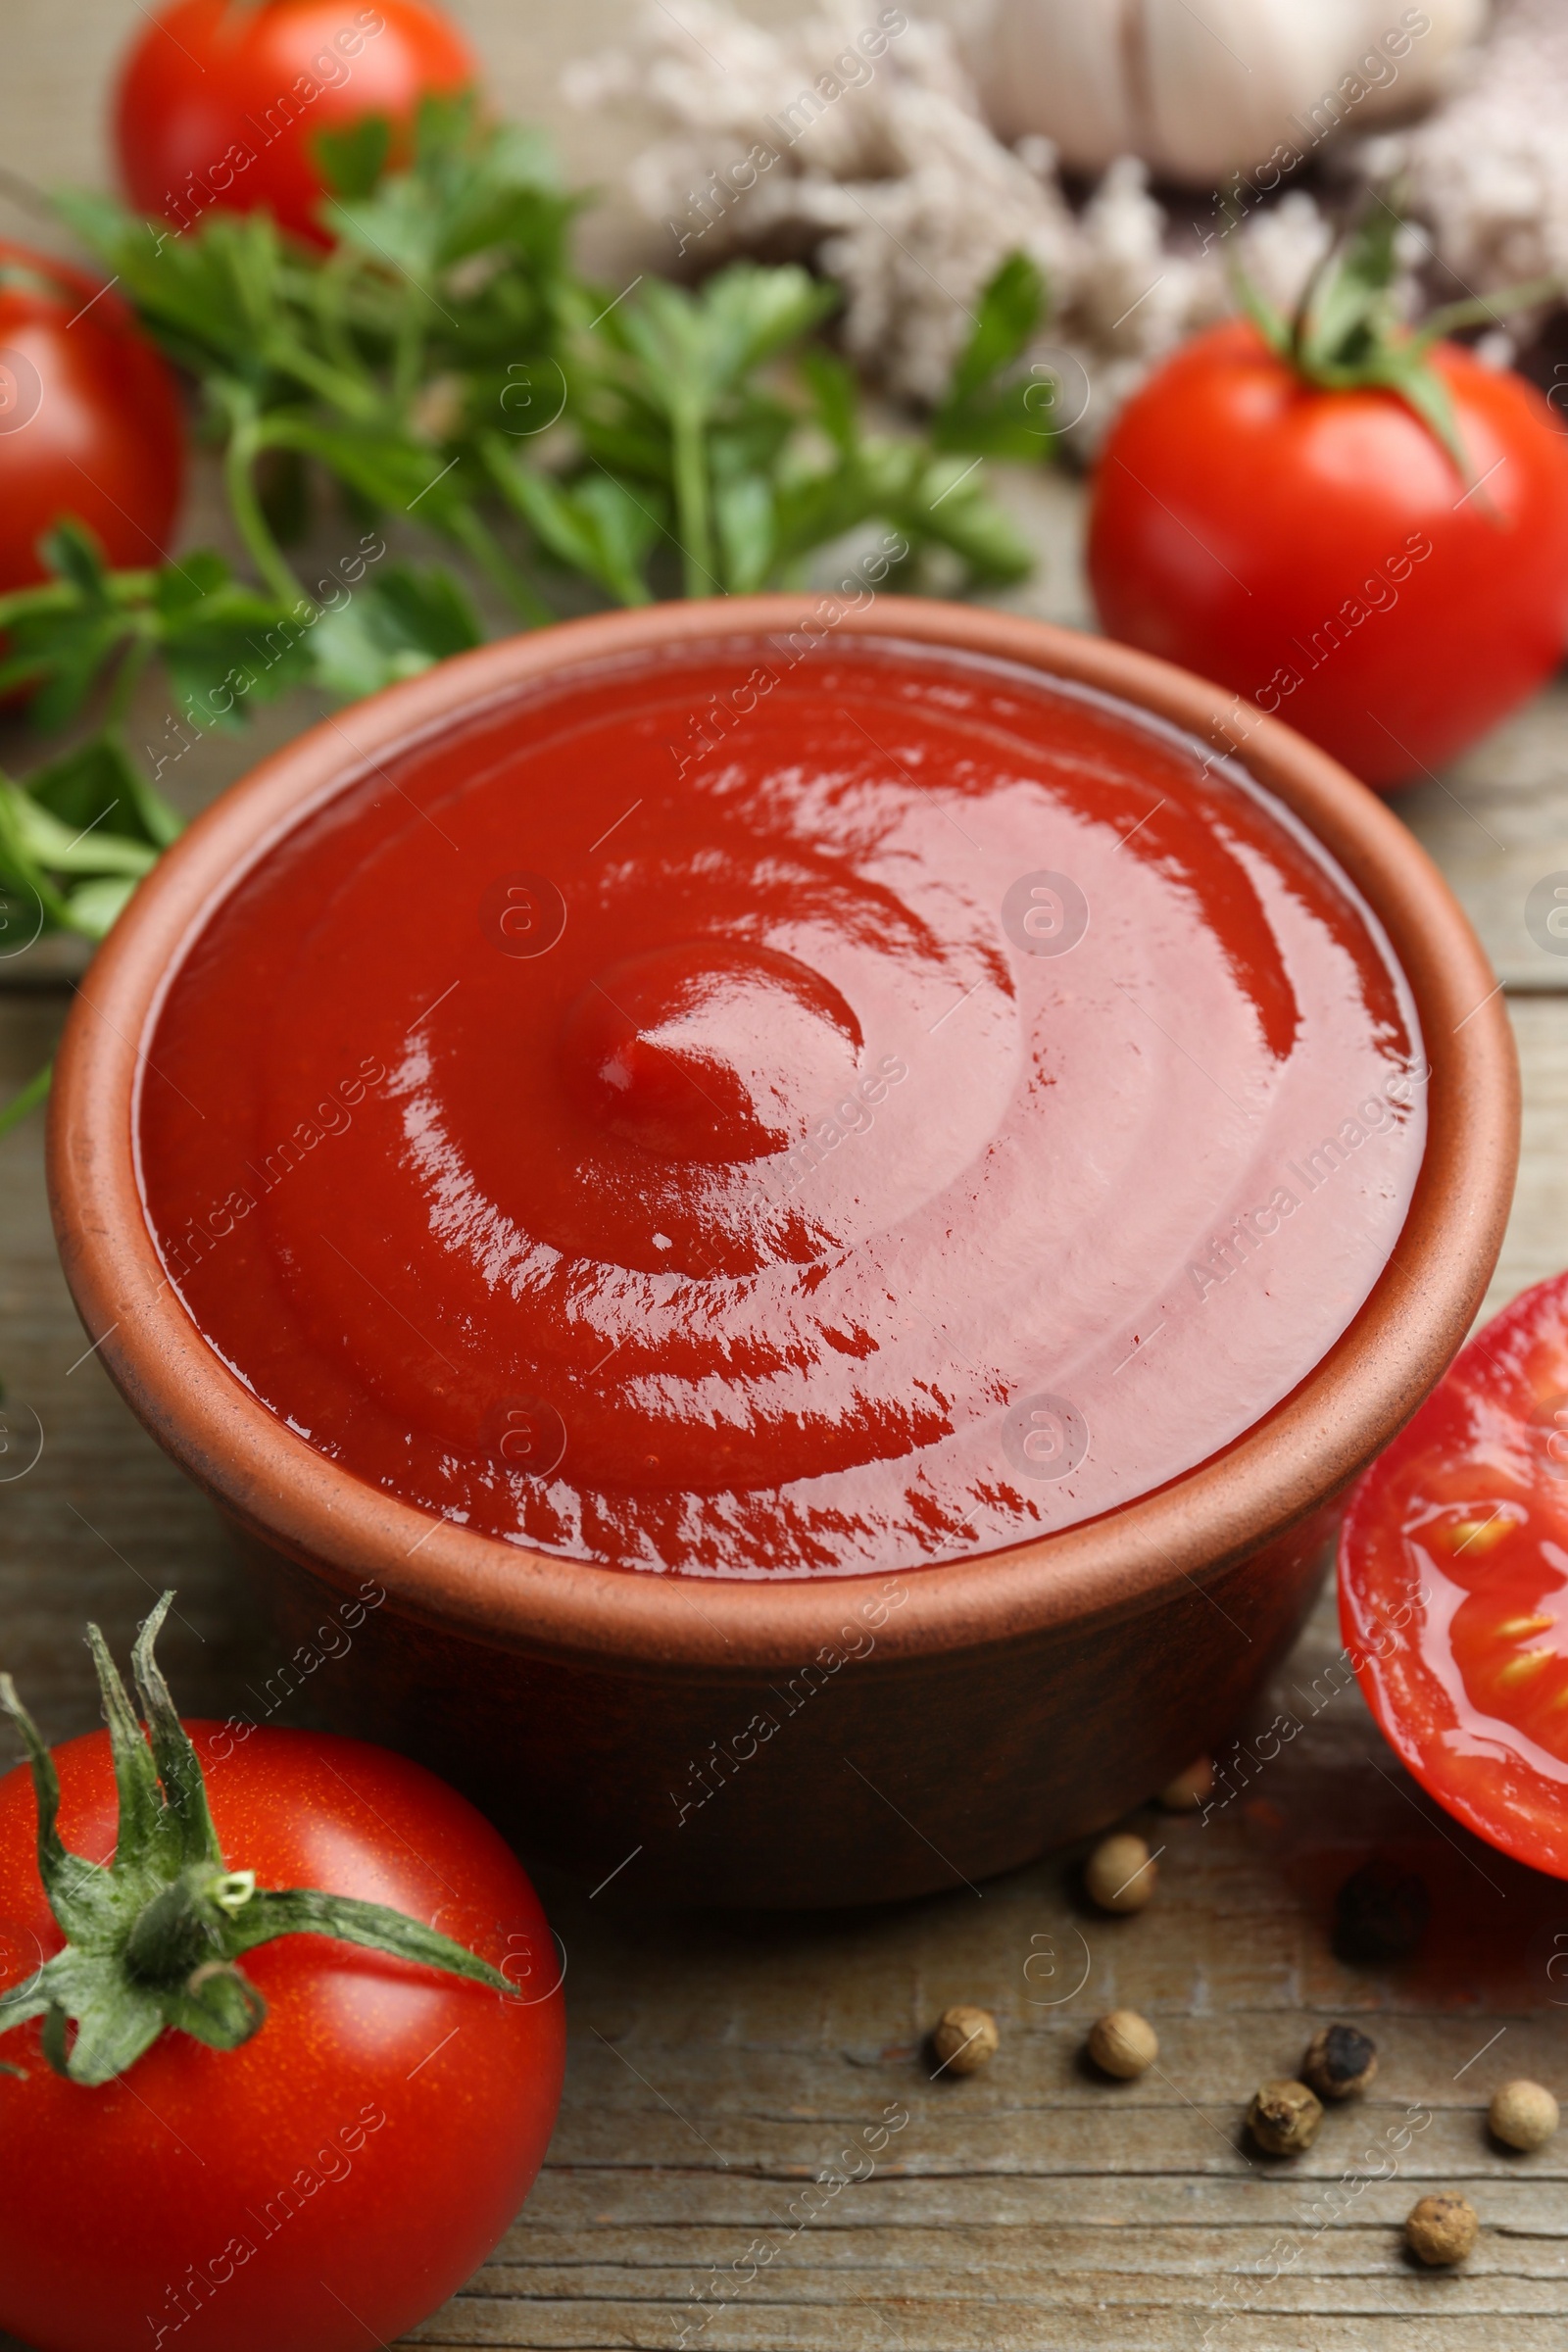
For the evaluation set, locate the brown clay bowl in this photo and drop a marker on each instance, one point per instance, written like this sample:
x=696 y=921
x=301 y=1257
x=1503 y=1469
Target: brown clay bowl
x=993 y=1707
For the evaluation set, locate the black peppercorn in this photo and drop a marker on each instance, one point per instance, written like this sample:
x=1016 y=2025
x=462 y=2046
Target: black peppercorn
x=1339 y=2062
x=1381 y=1913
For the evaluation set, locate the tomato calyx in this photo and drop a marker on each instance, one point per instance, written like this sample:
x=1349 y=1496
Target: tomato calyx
x=1346 y=333
x=154 y=1937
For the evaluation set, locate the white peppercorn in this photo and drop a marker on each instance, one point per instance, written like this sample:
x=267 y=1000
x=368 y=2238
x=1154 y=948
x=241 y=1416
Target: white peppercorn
x=1189 y=1789
x=1119 y=1875
x=1523 y=2115
x=964 y=2039
x=1442 y=2230
x=1123 y=2044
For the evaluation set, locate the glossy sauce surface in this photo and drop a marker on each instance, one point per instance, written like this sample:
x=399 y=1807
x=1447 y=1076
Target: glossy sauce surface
x=757 y=1113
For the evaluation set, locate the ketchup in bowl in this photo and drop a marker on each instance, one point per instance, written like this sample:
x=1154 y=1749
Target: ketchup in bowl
x=748 y=1115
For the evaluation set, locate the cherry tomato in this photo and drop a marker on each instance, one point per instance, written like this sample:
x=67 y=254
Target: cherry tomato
x=90 y=419
x=1453 y=1584
x=330 y=2182
x=220 y=101
x=1319 y=552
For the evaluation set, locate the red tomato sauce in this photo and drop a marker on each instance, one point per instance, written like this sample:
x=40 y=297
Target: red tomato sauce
x=754 y=1114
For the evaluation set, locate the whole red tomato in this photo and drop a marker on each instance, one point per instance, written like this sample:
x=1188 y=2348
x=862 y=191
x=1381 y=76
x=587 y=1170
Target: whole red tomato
x=1453 y=1584
x=1319 y=551
x=90 y=419
x=331 y=2182
x=219 y=100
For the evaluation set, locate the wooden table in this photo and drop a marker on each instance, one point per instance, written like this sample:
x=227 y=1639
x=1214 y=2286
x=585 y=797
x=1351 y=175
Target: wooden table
x=722 y=2064
x=719 y=2063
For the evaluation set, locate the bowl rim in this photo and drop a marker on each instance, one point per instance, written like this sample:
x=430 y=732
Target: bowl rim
x=1266 y=1482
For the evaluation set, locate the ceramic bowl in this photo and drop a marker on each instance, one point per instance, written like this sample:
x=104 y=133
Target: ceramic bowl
x=716 y=1741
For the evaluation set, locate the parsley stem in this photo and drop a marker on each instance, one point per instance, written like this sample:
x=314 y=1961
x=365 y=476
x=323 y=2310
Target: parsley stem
x=138 y=654
x=475 y=536
x=693 y=535
x=123 y=588
x=325 y=291
x=26 y=1099
x=244 y=444
x=407 y=357
x=19 y=870
x=340 y=390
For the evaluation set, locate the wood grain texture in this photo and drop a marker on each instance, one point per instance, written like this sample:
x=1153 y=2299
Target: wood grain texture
x=723 y=2067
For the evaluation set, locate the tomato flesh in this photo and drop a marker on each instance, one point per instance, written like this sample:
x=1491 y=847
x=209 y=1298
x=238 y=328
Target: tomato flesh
x=220 y=101
x=1454 y=1584
x=333 y=2182
x=1318 y=553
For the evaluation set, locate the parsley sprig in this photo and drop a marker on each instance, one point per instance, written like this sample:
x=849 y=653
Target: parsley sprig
x=444 y=369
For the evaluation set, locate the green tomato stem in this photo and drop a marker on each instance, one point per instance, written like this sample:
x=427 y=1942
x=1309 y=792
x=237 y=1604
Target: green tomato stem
x=153 y=1939
x=182 y=1926
x=1479 y=307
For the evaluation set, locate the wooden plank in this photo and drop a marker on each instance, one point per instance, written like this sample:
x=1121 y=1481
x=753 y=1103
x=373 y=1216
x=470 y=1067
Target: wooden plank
x=1497 y=824
x=1537 y=1241
x=899 y=2327
x=1012 y=2252
x=575 y=2204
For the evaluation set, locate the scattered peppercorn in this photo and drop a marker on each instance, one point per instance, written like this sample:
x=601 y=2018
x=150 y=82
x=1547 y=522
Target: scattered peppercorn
x=964 y=2039
x=1123 y=2044
x=1523 y=2115
x=1442 y=2230
x=1119 y=1875
x=1283 y=2116
x=1381 y=1913
x=1189 y=1789
x=1339 y=2062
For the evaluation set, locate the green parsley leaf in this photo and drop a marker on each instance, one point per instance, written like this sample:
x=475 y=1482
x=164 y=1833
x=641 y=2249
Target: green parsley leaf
x=394 y=628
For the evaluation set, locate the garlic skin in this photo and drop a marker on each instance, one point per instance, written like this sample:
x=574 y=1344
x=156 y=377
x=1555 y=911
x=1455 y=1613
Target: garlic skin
x=1060 y=72
x=1489 y=170
x=1200 y=95
x=901 y=190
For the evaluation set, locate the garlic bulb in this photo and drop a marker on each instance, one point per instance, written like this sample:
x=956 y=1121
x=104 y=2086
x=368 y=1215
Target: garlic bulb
x=900 y=191
x=1199 y=90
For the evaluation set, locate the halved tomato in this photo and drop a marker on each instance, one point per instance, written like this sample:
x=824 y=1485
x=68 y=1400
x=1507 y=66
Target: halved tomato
x=1454 y=1584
